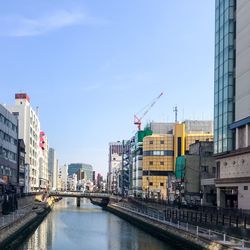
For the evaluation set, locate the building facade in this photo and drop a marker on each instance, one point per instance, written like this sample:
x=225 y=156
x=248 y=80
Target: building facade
x=21 y=166
x=114 y=160
x=53 y=168
x=87 y=168
x=43 y=162
x=232 y=102
x=195 y=175
x=29 y=131
x=8 y=148
x=158 y=162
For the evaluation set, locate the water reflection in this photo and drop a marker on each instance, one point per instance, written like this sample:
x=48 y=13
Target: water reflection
x=90 y=228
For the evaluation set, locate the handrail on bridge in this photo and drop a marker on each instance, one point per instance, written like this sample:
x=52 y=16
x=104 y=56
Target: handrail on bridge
x=79 y=194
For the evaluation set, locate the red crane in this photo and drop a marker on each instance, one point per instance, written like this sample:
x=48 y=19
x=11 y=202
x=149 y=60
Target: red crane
x=137 y=120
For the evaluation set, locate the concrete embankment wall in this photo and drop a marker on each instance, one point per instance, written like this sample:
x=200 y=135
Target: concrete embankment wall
x=173 y=236
x=13 y=234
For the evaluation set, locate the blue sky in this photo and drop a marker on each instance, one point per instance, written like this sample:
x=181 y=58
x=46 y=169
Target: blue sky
x=90 y=65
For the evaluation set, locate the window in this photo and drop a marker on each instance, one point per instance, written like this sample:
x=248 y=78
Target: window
x=162 y=163
x=162 y=142
x=214 y=170
x=245 y=187
x=151 y=163
x=162 y=184
x=151 y=142
x=150 y=183
x=205 y=168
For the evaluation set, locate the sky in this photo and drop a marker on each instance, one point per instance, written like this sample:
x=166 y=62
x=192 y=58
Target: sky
x=91 y=65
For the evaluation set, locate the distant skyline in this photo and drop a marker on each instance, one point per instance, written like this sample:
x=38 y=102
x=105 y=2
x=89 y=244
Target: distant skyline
x=91 y=65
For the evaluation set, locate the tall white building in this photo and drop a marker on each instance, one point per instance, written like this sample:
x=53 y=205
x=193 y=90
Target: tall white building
x=63 y=177
x=53 y=168
x=29 y=131
x=43 y=162
x=115 y=159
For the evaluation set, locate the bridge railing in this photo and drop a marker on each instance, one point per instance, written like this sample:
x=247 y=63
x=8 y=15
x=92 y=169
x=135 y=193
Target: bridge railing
x=80 y=194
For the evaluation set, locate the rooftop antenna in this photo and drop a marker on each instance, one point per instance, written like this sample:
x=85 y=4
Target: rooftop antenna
x=176 y=113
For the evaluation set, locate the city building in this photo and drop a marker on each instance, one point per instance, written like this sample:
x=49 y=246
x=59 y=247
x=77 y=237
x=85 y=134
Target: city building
x=195 y=175
x=161 y=147
x=43 y=162
x=158 y=162
x=232 y=102
x=126 y=171
x=63 y=177
x=93 y=178
x=29 y=131
x=99 y=180
x=21 y=166
x=53 y=168
x=72 y=182
x=115 y=159
x=8 y=149
x=87 y=168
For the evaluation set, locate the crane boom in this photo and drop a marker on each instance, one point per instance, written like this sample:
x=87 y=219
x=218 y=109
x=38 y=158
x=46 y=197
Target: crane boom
x=137 y=120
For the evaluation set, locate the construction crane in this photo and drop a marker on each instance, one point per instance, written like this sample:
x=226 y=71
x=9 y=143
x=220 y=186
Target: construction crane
x=137 y=119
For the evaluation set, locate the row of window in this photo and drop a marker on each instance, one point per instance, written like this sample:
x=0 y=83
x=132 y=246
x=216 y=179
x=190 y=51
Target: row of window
x=8 y=138
x=8 y=123
x=155 y=173
x=8 y=154
x=161 y=184
x=158 y=153
x=156 y=142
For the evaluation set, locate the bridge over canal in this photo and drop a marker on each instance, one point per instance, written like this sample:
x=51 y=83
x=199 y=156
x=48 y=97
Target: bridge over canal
x=101 y=199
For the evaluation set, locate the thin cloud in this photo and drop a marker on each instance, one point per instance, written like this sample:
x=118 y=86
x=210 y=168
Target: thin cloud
x=18 y=26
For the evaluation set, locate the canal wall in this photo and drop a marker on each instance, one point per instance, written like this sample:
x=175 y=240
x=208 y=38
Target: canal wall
x=16 y=232
x=177 y=237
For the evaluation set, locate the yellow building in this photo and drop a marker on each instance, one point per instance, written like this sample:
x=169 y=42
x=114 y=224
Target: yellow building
x=185 y=135
x=158 y=161
x=161 y=150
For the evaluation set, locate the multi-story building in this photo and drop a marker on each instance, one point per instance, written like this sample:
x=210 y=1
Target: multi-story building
x=21 y=166
x=195 y=175
x=126 y=171
x=63 y=177
x=72 y=182
x=137 y=161
x=232 y=102
x=115 y=159
x=158 y=162
x=43 y=162
x=53 y=168
x=87 y=168
x=8 y=148
x=161 y=149
x=29 y=131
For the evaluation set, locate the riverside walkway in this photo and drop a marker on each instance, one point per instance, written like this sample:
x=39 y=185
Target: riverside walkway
x=195 y=230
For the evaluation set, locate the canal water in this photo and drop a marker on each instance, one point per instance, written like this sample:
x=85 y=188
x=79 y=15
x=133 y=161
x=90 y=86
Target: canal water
x=88 y=227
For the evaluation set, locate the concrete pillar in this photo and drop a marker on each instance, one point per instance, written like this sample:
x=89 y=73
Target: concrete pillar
x=78 y=201
x=237 y=139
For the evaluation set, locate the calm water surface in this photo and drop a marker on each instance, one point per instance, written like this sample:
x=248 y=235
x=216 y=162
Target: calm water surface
x=88 y=227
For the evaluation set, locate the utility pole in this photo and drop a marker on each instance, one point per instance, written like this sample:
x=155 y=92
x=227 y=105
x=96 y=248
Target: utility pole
x=176 y=113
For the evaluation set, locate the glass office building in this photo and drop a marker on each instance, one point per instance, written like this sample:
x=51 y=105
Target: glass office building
x=224 y=75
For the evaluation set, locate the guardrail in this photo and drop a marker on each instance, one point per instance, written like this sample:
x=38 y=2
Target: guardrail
x=195 y=230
